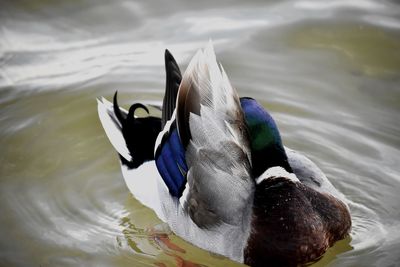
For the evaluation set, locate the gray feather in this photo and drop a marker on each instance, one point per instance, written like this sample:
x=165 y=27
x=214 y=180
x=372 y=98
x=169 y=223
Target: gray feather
x=218 y=154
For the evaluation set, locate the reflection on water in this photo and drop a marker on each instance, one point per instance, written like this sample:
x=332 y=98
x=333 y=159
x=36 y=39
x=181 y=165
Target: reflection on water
x=327 y=71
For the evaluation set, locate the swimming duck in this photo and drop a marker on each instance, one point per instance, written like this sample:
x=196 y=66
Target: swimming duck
x=214 y=168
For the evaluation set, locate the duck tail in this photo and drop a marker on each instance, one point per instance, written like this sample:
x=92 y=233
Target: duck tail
x=133 y=137
x=112 y=119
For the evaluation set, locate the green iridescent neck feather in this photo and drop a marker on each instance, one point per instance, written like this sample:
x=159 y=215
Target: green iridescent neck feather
x=265 y=141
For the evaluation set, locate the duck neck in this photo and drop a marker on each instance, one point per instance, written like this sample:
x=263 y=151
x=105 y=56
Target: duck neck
x=265 y=141
x=269 y=157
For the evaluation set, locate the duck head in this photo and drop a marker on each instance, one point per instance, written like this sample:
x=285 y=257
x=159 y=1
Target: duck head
x=265 y=141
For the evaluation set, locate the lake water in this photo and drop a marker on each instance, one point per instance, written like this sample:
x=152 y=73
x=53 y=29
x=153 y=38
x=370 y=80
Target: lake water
x=328 y=71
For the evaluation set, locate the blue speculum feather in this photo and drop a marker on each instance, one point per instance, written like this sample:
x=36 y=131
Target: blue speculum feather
x=171 y=163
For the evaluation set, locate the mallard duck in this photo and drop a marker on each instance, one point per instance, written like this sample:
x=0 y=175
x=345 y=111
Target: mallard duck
x=214 y=168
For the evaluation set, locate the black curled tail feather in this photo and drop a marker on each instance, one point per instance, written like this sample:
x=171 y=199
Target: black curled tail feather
x=134 y=107
x=140 y=134
x=121 y=117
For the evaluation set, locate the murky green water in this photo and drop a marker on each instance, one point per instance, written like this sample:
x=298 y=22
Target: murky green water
x=329 y=72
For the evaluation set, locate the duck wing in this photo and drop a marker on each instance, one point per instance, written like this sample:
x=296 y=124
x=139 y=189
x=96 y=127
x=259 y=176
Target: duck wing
x=210 y=130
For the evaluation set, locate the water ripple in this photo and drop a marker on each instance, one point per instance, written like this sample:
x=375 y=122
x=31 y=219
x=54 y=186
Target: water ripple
x=63 y=200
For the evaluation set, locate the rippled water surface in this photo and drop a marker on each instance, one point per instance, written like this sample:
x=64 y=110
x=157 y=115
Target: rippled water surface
x=328 y=71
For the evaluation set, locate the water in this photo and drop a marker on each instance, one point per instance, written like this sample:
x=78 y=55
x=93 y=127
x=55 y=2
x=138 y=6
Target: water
x=329 y=73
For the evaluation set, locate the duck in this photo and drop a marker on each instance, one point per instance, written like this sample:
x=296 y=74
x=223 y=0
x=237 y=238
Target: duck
x=214 y=168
